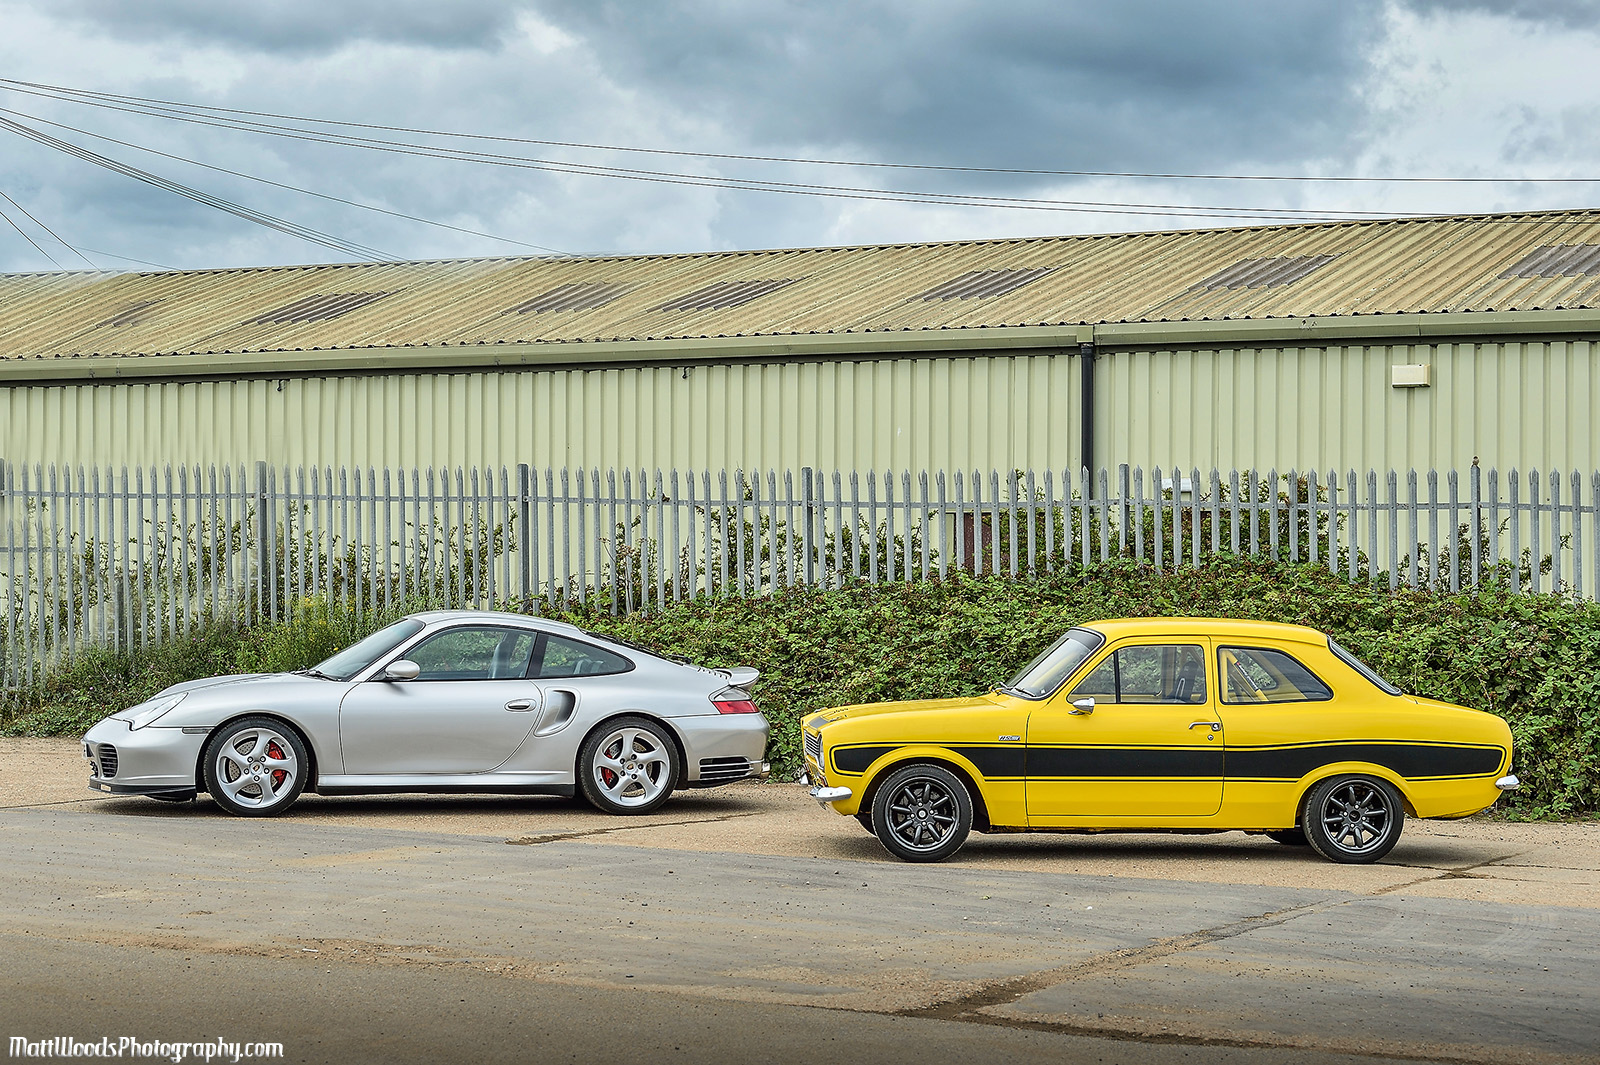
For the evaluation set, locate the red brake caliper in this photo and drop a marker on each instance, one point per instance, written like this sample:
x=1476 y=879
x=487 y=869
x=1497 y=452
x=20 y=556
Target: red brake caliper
x=278 y=775
x=606 y=773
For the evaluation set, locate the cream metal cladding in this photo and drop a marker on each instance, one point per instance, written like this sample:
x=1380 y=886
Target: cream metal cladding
x=990 y=412
x=846 y=365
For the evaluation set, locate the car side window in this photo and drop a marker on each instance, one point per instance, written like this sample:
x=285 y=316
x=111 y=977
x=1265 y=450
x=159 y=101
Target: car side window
x=1147 y=673
x=474 y=653
x=1263 y=675
x=561 y=657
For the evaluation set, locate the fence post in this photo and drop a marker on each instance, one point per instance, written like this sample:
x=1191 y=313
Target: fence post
x=262 y=519
x=525 y=547
x=808 y=510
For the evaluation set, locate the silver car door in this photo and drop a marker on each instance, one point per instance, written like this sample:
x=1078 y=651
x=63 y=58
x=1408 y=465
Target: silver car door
x=468 y=709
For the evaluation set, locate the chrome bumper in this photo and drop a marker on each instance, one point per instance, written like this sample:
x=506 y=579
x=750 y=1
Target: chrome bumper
x=1509 y=782
x=826 y=795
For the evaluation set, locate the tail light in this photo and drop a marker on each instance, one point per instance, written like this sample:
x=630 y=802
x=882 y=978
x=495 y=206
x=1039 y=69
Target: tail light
x=733 y=701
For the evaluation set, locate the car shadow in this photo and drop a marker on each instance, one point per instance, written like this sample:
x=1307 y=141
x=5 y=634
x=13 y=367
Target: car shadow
x=693 y=805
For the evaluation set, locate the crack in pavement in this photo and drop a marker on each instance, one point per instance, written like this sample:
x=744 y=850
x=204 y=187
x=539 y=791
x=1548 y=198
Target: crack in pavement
x=557 y=837
x=1465 y=872
x=968 y=1008
x=1009 y=990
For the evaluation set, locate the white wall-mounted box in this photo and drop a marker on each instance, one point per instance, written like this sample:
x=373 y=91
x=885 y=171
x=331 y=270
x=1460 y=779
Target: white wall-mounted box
x=1411 y=375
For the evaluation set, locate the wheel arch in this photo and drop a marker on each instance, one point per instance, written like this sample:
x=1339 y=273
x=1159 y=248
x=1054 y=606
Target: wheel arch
x=963 y=770
x=313 y=769
x=606 y=722
x=1360 y=769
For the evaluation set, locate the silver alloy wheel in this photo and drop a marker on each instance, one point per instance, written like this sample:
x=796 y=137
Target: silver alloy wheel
x=631 y=767
x=1356 y=815
x=257 y=768
x=922 y=814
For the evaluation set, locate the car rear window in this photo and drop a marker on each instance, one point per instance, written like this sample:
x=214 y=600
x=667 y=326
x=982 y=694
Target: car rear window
x=1264 y=675
x=1362 y=668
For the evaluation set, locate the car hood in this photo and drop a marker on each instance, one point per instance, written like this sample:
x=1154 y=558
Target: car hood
x=908 y=706
x=210 y=696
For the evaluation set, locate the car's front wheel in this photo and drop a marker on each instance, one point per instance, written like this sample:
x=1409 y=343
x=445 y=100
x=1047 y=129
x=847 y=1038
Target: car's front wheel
x=922 y=813
x=255 y=767
x=629 y=766
x=1353 y=819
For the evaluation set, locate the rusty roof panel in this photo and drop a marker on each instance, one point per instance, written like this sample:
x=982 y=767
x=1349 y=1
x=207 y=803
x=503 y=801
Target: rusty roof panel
x=1485 y=262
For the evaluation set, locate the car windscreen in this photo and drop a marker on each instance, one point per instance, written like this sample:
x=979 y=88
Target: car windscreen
x=1361 y=667
x=359 y=656
x=1041 y=677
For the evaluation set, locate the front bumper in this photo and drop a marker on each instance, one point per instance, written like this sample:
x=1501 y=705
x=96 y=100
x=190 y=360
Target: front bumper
x=825 y=796
x=147 y=761
x=1509 y=782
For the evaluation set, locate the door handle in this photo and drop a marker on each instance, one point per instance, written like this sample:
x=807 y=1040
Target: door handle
x=520 y=704
x=1215 y=726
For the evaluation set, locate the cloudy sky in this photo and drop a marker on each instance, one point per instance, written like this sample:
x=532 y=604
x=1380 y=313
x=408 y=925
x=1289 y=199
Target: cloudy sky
x=1507 y=90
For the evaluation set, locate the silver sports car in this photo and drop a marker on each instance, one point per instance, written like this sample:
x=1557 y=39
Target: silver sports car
x=444 y=701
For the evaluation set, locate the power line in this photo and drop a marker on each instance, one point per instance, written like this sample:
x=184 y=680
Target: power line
x=25 y=235
x=261 y=218
x=277 y=184
x=799 y=160
x=48 y=230
x=162 y=109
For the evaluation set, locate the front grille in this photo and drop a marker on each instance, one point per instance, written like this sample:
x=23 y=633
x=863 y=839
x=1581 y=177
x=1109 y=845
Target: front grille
x=722 y=770
x=814 y=748
x=107 y=759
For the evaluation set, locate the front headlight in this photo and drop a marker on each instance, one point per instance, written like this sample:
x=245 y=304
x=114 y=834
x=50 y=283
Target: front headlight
x=147 y=713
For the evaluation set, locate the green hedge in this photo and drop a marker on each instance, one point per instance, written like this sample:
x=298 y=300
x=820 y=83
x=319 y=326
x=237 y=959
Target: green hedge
x=1533 y=659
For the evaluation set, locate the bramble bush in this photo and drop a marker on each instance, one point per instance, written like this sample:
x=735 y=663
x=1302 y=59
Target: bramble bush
x=1532 y=659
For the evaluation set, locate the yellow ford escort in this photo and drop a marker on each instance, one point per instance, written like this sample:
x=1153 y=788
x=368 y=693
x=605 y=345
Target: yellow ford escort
x=1164 y=724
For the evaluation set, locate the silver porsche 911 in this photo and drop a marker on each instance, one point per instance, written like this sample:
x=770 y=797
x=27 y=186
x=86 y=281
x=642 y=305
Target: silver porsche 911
x=444 y=701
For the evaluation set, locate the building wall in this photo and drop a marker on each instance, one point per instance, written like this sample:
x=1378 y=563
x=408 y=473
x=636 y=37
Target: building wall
x=1507 y=404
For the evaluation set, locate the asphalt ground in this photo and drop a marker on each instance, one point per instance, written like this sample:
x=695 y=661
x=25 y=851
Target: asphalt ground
x=745 y=924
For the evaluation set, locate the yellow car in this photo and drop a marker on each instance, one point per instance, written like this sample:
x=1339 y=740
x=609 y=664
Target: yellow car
x=1165 y=724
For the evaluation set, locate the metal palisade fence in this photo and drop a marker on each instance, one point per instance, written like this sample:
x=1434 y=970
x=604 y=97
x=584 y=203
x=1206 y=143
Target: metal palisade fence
x=123 y=558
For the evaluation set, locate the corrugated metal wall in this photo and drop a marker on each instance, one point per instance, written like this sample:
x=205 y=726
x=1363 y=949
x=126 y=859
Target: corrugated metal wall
x=1524 y=405
x=1511 y=404
x=1000 y=412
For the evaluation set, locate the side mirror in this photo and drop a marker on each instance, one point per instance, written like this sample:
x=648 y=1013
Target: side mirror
x=1082 y=706
x=402 y=670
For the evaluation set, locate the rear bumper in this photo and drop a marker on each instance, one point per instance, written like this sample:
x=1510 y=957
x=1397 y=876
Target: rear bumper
x=723 y=748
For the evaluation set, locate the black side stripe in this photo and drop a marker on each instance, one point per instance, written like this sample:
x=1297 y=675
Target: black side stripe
x=1410 y=760
x=1407 y=759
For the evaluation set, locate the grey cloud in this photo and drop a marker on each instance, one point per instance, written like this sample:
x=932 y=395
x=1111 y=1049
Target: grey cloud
x=296 y=26
x=1568 y=14
x=1069 y=84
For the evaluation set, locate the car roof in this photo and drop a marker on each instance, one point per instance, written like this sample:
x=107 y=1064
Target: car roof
x=434 y=617
x=1226 y=628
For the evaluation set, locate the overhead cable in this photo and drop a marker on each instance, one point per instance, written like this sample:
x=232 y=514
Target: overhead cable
x=161 y=109
x=95 y=95
x=260 y=218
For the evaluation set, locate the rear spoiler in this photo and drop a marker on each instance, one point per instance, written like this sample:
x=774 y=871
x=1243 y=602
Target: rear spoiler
x=741 y=676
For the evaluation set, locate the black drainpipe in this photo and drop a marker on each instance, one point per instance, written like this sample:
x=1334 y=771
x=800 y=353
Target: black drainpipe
x=1086 y=357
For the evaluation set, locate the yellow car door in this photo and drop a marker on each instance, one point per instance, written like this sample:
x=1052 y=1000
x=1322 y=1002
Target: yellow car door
x=1136 y=741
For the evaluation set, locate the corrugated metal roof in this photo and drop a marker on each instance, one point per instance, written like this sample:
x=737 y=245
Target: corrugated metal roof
x=1499 y=262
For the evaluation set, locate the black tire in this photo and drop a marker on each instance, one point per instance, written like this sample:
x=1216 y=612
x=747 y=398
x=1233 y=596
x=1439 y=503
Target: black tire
x=628 y=766
x=864 y=816
x=255 y=767
x=922 y=813
x=1353 y=819
x=1290 y=837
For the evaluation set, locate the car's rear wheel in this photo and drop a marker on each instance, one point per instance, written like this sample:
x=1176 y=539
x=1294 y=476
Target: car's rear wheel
x=1353 y=819
x=1290 y=837
x=630 y=766
x=922 y=813
x=255 y=767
